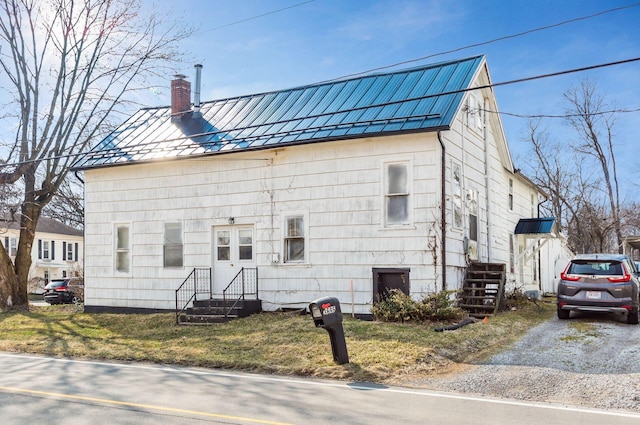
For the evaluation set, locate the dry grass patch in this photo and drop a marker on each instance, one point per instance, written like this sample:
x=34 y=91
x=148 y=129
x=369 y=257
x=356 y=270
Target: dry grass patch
x=267 y=342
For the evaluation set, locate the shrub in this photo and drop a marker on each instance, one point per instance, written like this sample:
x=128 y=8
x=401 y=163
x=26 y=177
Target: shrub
x=400 y=307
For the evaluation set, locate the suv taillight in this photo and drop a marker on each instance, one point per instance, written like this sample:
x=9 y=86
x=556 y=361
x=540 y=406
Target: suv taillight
x=626 y=277
x=569 y=277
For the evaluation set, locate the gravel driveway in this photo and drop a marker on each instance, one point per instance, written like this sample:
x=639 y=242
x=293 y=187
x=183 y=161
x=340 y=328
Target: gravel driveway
x=588 y=360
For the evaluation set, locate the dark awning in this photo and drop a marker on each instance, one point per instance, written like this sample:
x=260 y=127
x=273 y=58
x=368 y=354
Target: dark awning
x=528 y=226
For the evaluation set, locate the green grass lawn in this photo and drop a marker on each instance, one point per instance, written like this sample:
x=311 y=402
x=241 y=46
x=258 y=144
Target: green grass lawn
x=278 y=343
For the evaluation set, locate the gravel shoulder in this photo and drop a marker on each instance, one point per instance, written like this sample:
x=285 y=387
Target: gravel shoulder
x=588 y=360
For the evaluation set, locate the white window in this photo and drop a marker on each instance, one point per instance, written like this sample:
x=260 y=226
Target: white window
x=173 y=245
x=474 y=113
x=223 y=245
x=533 y=208
x=245 y=244
x=512 y=255
x=13 y=247
x=45 y=250
x=294 y=240
x=397 y=193
x=511 y=194
x=123 y=249
x=456 y=200
x=472 y=199
x=69 y=251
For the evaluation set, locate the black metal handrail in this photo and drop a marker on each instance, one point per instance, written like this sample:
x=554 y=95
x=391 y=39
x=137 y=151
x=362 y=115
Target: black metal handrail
x=198 y=282
x=244 y=284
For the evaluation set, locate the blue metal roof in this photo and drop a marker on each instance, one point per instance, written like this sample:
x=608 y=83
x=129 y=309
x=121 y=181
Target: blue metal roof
x=529 y=226
x=418 y=99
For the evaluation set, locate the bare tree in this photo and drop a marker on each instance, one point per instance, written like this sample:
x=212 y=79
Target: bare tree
x=67 y=205
x=587 y=114
x=575 y=193
x=68 y=66
x=549 y=171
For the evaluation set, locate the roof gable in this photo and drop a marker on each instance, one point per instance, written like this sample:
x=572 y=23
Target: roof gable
x=44 y=225
x=418 y=99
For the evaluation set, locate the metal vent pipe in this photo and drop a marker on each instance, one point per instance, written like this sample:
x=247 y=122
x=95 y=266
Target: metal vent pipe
x=196 y=94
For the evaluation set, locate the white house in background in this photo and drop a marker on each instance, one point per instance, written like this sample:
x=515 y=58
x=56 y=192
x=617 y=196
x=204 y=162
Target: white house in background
x=57 y=248
x=336 y=189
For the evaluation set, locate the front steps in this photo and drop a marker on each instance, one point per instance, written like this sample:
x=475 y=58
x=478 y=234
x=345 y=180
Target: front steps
x=205 y=312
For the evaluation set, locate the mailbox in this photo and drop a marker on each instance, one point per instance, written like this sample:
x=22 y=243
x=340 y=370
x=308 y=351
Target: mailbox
x=326 y=314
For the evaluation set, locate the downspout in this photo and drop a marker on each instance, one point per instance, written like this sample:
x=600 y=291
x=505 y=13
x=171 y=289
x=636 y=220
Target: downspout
x=443 y=214
x=487 y=182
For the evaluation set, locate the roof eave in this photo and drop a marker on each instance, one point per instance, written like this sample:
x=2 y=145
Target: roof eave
x=434 y=129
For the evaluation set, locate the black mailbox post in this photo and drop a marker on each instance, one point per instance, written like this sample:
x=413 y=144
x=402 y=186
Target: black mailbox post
x=326 y=314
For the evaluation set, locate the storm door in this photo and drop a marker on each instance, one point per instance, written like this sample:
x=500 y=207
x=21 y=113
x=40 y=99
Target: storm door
x=233 y=249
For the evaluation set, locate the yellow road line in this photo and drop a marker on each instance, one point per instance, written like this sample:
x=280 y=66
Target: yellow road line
x=143 y=406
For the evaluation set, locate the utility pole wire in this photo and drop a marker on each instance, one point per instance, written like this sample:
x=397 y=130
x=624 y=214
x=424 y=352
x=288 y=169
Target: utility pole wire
x=256 y=17
x=465 y=90
x=484 y=43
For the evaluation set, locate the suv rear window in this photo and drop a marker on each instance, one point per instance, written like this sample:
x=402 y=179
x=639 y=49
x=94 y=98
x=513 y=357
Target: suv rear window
x=604 y=268
x=55 y=284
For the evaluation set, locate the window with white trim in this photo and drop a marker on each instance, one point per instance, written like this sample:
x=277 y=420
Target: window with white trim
x=223 y=245
x=123 y=249
x=45 y=250
x=512 y=254
x=67 y=250
x=172 y=247
x=533 y=206
x=474 y=113
x=397 y=193
x=456 y=199
x=294 y=240
x=473 y=214
x=510 y=194
x=14 y=247
x=245 y=244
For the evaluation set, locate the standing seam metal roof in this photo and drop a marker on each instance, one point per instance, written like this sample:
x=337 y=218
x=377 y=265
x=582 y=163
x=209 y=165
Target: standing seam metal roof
x=418 y=99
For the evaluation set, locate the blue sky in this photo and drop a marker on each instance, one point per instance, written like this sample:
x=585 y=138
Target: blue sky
x=325 y=39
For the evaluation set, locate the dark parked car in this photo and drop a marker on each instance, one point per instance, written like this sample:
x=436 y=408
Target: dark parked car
x=64 y=291
x=599 y=283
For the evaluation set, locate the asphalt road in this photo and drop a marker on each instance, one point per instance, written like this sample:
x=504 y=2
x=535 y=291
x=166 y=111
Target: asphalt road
x=63 y=391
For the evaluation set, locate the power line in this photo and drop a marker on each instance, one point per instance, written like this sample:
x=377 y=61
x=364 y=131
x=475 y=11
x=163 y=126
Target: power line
x=484 y=43
x=257 y=16
x=468 y=89
x=611 y=111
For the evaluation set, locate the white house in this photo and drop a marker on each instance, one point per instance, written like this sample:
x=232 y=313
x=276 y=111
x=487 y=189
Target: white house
x=341 y=189
x=57 y=249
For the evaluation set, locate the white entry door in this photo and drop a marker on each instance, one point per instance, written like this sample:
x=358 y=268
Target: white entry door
x=233 y=249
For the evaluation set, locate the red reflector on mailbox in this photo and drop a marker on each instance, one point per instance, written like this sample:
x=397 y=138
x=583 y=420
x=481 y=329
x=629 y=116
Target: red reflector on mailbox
x=325 y=305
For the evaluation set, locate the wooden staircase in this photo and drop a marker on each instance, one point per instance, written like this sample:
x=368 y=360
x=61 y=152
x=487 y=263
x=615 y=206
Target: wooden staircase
x=205 y=312
x=483 y=289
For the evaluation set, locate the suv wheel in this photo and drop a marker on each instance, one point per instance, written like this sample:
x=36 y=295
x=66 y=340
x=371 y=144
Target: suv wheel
x=632 y=317
x=563 y=314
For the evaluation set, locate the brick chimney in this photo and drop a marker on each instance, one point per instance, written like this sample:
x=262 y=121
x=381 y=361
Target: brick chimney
x=180 y=97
